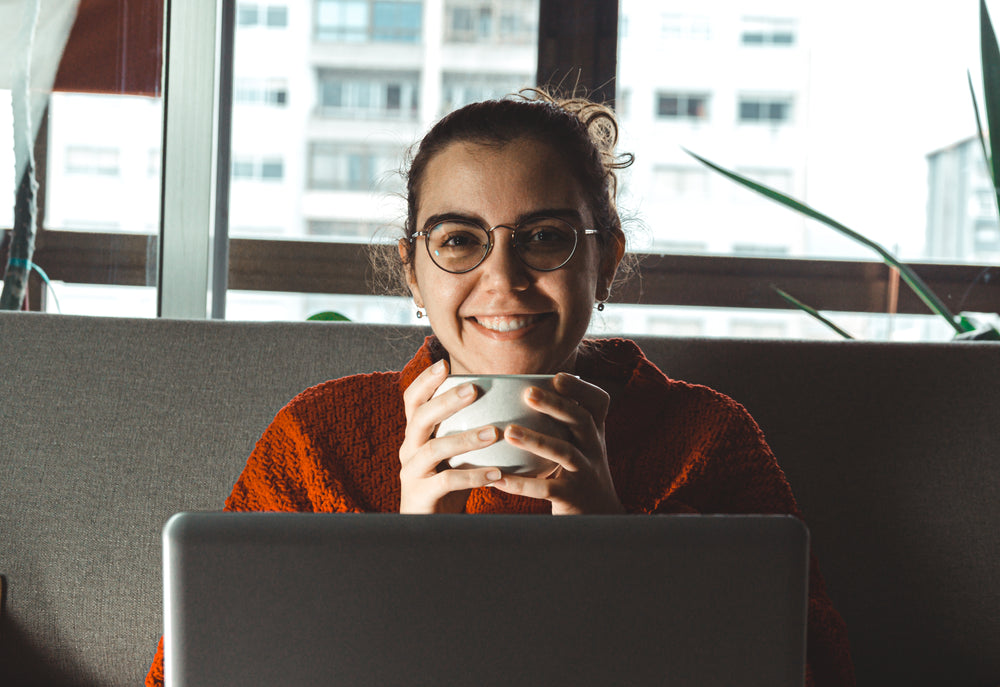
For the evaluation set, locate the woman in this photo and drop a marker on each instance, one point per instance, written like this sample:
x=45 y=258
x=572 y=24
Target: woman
x=511 y=237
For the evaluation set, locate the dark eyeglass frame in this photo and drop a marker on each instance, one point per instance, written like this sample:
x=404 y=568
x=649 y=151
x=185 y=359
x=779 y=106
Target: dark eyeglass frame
x=577 y=232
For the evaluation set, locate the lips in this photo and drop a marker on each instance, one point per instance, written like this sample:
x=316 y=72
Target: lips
x=507 y=323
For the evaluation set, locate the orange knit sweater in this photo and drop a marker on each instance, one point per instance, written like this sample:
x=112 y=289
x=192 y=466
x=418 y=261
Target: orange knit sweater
x=672 y=447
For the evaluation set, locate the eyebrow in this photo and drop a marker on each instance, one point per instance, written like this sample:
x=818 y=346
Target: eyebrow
x=569 y=214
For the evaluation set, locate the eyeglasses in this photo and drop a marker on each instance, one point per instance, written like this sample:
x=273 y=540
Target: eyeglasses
x=541 y=243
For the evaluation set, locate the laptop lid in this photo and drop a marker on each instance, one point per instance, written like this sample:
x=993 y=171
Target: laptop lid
x=491 y=600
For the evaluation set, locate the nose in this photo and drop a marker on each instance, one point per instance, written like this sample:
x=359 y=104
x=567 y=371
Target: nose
x=502 y=270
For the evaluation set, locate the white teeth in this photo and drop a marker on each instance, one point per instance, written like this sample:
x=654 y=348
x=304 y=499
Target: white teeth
x=506 y=324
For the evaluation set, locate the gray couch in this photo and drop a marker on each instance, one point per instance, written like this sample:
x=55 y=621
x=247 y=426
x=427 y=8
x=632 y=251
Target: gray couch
x=108 y=426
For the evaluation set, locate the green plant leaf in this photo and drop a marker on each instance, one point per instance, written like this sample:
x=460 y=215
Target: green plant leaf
x=808 y=309
x=991 y=85
x=982 y=137
x=328 y=316
x=911 y=278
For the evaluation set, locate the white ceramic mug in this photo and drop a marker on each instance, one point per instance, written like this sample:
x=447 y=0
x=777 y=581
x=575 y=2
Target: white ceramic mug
x=501 y=403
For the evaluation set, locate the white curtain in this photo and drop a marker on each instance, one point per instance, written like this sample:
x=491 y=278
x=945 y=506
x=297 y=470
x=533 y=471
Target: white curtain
x=33 y=34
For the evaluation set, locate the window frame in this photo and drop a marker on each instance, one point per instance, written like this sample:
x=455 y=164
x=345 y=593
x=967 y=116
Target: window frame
x=578 y=36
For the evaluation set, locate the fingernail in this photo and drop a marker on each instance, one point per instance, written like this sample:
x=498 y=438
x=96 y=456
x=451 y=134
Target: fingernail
x=487 y=434
x=514 y=432
x=438 y=367
x=534 y=393
x=466 y=390
x=493 y=475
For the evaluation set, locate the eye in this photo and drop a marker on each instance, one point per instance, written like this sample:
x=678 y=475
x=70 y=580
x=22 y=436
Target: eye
x=459 y=239
x=547 y=233
x=457 y=236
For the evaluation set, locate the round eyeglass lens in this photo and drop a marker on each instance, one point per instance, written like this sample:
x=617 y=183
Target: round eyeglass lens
x=544 y=243
x=457 y=246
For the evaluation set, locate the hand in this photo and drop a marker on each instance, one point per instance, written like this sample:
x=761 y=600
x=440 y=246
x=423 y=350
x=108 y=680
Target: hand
x=427 y=485
x=582 y=481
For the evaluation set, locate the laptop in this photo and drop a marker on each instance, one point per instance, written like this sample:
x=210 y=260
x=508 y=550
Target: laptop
x=386 y=600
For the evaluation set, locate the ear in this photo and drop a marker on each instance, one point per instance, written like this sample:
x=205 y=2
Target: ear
x=411 y=277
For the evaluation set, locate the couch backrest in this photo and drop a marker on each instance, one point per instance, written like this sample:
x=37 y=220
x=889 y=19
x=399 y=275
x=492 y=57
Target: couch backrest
x=108 y=426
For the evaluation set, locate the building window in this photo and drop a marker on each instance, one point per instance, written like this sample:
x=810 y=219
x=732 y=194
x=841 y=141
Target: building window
x=986 y=238
x=768 y=31
x=682 y=106
x=685 y=27
x=345 y=167
x=682 y=183
x=251 y=14
x=367 y=21
x=491 y=21
x=246 y=168
x=93 y=161
x=461 y=89
x=368 y=96
x=261 y=92
x=767 y=110
x=277 y=16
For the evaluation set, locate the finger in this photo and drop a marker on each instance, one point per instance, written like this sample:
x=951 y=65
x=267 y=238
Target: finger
x=571 y=395
x=427 y=460
x=449 y=481
x=531 y=487
x=591 y=397
x=423 y=419
x=562 y=453
x=424 y=386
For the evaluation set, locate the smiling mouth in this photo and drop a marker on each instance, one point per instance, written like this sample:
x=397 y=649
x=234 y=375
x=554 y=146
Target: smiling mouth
x=507 y=323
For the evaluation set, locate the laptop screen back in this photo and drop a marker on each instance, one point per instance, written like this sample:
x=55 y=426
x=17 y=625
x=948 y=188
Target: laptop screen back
x=387 y=600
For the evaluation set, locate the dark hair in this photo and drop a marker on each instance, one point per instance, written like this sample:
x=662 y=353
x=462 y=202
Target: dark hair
x=585 y=133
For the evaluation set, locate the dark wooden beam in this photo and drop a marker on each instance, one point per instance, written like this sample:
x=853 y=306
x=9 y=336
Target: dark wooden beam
x=689 y=280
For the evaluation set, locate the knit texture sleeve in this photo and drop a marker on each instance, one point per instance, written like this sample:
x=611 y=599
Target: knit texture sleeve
x=285 y=471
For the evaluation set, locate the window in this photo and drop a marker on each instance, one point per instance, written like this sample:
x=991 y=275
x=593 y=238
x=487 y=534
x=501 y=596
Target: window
x=368 y=95
x=768 y=31
x=462 y=89
x=766 y=110
x=685 y=27
x=682 y=183
x=396 y=22
x=272 y=16
x=682 y=106
x=365 y=21
x=491 y=21
x=260 y=92
x=986 y=237
x=277 y=16
x=340 y=166
x=247 y=168
x=384 y=113
x=84 y=160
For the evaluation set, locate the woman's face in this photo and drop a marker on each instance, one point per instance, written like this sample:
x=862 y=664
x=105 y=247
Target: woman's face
x=504 y=317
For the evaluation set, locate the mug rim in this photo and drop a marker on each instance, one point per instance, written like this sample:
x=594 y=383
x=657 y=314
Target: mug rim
x=501 y=376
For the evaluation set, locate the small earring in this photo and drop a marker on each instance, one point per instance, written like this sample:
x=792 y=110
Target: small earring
x=600 y=306
x=420 y=313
